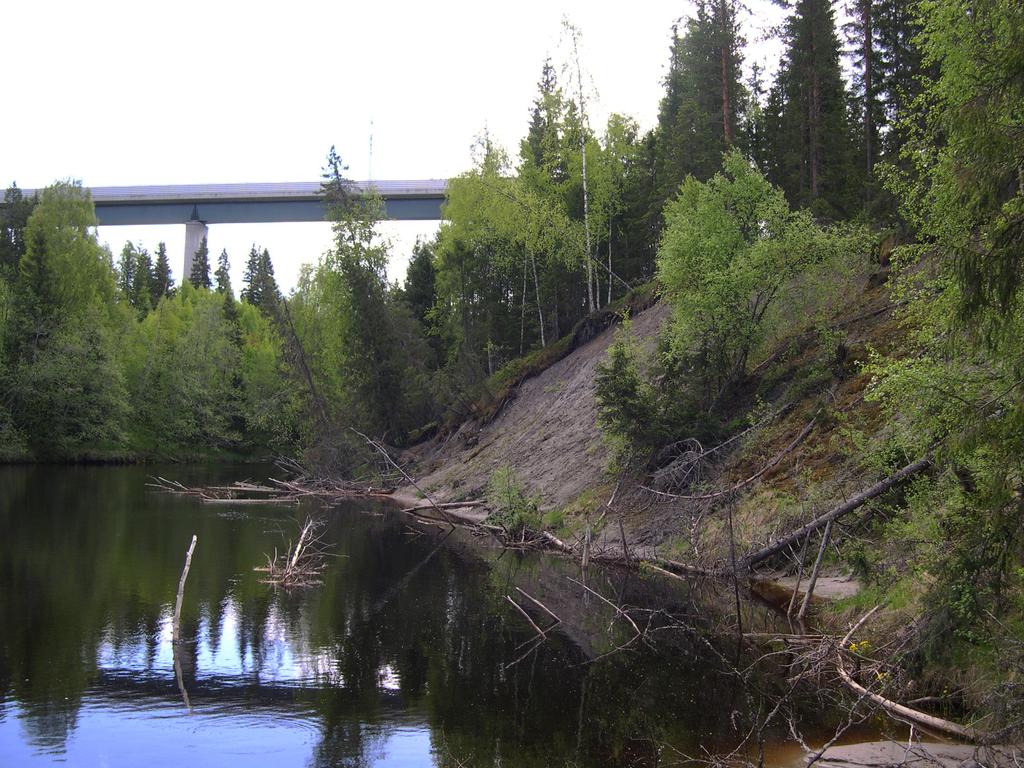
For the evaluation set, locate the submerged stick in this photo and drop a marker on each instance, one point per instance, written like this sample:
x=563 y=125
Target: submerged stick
x=176 y=632
x=180 y=678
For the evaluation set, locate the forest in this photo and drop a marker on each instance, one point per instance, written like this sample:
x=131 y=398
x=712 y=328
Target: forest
x=890 y=144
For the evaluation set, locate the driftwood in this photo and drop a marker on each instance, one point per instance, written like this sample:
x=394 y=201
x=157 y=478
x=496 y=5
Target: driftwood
x=176 y=627
x=845 y=508
x=899 y=711
x=445 y=505
x=301 y=564
x=278 y=492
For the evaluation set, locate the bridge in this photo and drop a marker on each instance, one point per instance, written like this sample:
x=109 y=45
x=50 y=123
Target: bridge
x=196 y=206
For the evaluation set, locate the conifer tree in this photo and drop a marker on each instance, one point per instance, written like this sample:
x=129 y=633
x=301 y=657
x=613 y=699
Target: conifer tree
x=222 y=274
x=807 y=116
x=162 y=281
x=861 y=33
x=899 y=71
x=141 y=296
x=754 y=124
x=36 y=299
x=539 y=150
x=375 y=366
x=13 y=218
x=420 y=290
x=250 y=278
x=200 y=274
x=268 y=294
x=701 y=109
x=126 y=269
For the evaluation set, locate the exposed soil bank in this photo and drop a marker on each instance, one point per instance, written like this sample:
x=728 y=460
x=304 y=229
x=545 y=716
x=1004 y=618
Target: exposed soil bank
x=548 y=432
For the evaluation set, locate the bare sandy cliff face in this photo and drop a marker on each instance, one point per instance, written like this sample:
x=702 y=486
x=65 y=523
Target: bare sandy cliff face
x=547 y=433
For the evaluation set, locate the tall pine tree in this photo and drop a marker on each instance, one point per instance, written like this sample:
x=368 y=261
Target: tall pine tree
x=700 y=112
x=222 y=274
x=899 y=71
x=808 y=121
x=162 y=281
x=126 y=269
x=142 y=282
x=13 y=218
x=861 y=33
x=200 y=274
x=260 y=287
x=250 y=278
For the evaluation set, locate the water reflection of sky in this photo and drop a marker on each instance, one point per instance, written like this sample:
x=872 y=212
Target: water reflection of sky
x=408 y=654
x=166 y=735
x=140 y=724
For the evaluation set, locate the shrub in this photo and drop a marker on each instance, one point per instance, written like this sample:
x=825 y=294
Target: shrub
x=514 y=509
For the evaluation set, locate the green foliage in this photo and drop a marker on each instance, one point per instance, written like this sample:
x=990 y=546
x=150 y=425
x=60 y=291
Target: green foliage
x=88 y=369
x=730 y=246
x=136 y=278
x=626 y=402
x=163 y=283
x=223 y=273
x=14 y=215
x=358 y=353
x=260 y=286
x=964 y=186
x=960 y=399
x=420 y=291
x=181 y=370
x=956 y=390
x=71 y=394
x=60 y=376
x=514 y=508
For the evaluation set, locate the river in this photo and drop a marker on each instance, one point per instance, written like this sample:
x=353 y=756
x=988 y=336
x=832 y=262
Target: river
x=409 y=653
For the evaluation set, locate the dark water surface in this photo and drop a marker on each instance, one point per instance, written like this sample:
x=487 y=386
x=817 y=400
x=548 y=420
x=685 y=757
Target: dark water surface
x=409 y=653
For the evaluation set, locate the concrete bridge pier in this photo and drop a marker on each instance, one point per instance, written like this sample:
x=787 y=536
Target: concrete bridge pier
x=195 y=231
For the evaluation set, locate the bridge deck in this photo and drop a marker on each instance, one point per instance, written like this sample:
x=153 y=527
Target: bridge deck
x=408 y=200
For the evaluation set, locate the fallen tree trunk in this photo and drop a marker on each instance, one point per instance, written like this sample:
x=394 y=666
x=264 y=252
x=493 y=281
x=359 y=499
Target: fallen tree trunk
x=445 y=505
x=899 y=711
x=845 y=508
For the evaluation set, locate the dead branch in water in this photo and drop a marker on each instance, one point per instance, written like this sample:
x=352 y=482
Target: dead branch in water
x=176 y=628
x=895 y=709
x=278 y=492
x=387 y=457
x=445 y=505
x=301 y=564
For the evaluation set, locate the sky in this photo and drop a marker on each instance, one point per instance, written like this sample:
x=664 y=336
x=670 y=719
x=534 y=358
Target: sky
x=118 y=93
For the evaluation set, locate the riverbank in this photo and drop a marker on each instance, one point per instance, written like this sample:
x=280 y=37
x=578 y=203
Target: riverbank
x=811 y=446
